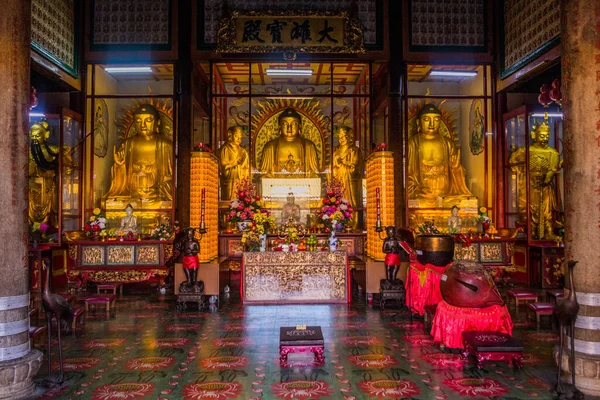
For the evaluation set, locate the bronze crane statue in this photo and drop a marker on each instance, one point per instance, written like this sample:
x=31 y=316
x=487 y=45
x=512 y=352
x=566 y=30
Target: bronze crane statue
x=55 y=305
x=566 y=313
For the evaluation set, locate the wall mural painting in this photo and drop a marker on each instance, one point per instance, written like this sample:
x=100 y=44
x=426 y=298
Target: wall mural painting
x=476 y=128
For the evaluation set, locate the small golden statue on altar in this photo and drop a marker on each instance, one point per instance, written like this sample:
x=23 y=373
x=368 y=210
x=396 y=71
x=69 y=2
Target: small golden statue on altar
x=291 y=210
x=43 y=167
x=348 y=169
x=434 y=168
x=128 y=222
x=544 y=164
x=289 y=152
x=234 y=162
x=143 y=166
x=454 y=221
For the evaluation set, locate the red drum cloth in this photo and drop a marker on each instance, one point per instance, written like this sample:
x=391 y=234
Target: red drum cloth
x=423 y=286
x=190 y=262
x=450 y=322
x=392 y=259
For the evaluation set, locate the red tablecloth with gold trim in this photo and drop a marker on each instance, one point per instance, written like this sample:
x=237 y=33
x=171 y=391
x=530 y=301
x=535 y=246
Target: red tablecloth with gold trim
x=450 y=322
x=423 y=286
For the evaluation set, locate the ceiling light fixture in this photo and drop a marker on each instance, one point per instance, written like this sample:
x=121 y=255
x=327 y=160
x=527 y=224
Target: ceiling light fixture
x=443 y=72
x=550 y=115
x=289 y=72
x=127 y=70
x=37 y=114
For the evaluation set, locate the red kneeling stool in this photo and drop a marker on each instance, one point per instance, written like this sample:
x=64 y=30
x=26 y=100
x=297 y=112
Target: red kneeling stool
x=309 y=340
x=108 y=300
x=520 y=296
x=35 y=332
x=110 y=287
x=555 y=295
x=540 y=309
x=494 y=346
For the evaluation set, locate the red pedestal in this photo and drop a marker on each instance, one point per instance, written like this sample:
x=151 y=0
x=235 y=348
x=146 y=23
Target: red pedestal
x=450 y=322
x=423 y=286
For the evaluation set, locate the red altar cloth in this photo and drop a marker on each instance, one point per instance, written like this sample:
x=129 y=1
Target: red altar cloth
x=423 y=286
x=450 y=322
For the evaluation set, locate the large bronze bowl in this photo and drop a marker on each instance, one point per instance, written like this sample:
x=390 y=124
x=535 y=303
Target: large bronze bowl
x=435 y=249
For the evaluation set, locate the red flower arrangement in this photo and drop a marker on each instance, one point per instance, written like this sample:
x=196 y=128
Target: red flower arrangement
x=246 y=203
x=202 y=147
x=381 y=147
x=336 y=211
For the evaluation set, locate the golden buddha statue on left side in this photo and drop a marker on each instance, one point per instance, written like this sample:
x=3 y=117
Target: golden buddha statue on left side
x=290 y=152
x=43 y=167
x=143 y=165
x=234 y=162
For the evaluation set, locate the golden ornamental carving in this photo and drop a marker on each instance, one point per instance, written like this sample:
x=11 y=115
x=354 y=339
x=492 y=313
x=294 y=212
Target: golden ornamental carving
x=148 y=255
x=92 y=255
x=465 y=253
x=120 y=254
x=168 y=249
x=491 y=252
x=73 y=252
x=120 y=276
x=289 y=33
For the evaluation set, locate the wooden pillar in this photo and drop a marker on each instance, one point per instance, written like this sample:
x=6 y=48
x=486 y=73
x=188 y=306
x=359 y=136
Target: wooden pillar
x=18 y=364
x=580 y=33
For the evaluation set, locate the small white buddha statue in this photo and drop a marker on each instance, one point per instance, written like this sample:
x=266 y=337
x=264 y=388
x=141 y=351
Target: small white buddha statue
x=129 y=221
x=454 y=221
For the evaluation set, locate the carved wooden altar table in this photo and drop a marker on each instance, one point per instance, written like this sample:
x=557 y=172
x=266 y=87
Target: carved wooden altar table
x=299 y=277
x=115 y=261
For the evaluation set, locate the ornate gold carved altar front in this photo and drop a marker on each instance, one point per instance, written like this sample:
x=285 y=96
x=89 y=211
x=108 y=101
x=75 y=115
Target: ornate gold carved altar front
x=302 y=277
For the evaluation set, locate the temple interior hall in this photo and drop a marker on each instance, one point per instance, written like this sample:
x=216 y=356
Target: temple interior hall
x=300 y=200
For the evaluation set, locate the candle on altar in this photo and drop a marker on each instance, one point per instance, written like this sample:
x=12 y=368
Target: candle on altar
x=202 y=205
x=378 y=199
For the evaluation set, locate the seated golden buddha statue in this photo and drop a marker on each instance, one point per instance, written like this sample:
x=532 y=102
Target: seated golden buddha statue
x=434 y=168
x=143 y=165
x=43 y=167
x=289 y=152
x=544 y=163
x=234 y=162
x=129 y=221
x=291 y=210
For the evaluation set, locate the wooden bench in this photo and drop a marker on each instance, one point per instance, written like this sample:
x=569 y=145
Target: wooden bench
x=492 y=346
x=110 y=287
x=541 y=309
x=108 y=300
x=309 y=340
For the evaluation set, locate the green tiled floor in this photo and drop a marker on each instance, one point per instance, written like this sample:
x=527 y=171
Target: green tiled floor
x=150 y=350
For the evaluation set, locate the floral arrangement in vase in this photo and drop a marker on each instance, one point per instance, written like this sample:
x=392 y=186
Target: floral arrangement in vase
x=245 y=204
x=164 y=230
x=96 y=223
x=336 y=211
x=38 y=232
x=428 y=228
x=254 y=238
x=483 y=219
x=203 y=147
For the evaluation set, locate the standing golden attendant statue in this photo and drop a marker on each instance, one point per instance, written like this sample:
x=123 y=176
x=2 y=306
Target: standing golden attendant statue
x=434 y=168
x=43 y=167
x=143 y=165
x=234 y=162
x=290 y=152
x=544 y=164
x=348 y=168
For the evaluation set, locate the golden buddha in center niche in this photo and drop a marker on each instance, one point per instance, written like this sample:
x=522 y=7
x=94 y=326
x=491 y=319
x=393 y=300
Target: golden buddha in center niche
x=434 y=168
x=289 y=152
x=143 y=165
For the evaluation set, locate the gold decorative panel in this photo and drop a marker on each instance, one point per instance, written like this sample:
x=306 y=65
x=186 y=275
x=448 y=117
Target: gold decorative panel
x=120 y=254
x=529 y=27
x=295 y=277
x=491 y=252
x=465 y=253
x=131 y=22
x=380 y=175
x=148 y=254
x=53 y=31
x=92 y=255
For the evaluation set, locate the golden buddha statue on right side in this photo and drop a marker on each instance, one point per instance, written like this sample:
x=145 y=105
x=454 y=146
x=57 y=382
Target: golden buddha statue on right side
x=544 y=164
x=348 y=169
x=434 y=168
